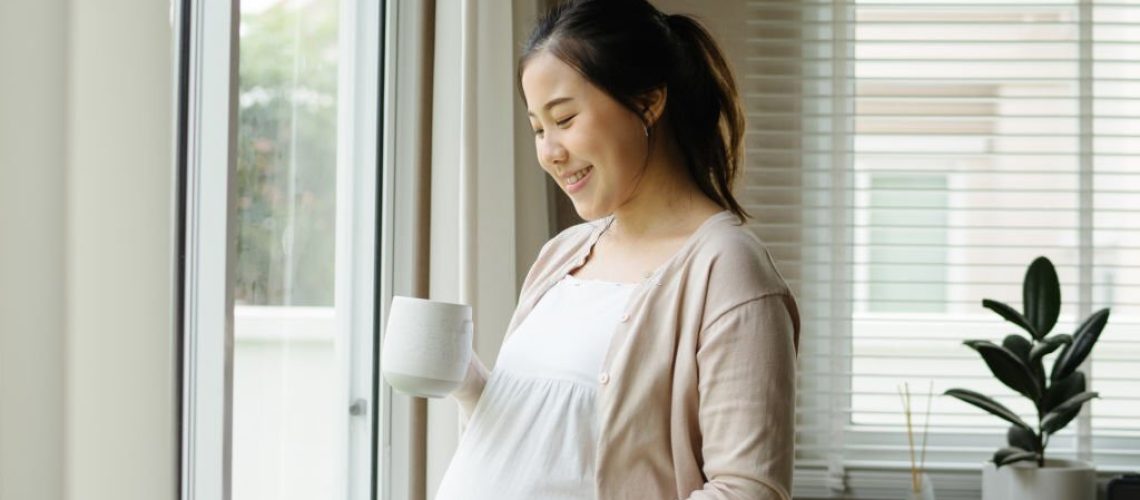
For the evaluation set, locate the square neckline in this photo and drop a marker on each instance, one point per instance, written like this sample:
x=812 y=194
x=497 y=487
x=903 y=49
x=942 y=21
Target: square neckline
x=575 y=279
x=600 y=228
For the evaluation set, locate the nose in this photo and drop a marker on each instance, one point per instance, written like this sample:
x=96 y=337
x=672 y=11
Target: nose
x=551 y=152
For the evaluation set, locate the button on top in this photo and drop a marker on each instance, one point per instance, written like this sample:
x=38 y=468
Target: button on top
x=624 y=318
x=604 y=378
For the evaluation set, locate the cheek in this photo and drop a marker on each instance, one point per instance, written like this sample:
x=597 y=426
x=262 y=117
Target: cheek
x=611 y=143
x=594 y=141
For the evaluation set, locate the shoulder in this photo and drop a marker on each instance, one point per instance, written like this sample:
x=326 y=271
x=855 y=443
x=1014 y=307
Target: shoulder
x=736 y=262
x=737 y=270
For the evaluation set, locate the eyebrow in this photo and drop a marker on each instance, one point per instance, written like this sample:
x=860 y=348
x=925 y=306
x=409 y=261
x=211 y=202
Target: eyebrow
x=553 y=102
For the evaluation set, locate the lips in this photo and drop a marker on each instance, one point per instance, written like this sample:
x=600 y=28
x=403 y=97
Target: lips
x=577 y=179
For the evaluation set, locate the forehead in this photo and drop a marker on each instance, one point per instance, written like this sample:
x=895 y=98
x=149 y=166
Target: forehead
x=546 y=77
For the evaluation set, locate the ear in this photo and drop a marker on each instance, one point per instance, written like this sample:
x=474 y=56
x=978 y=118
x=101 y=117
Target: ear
x=652 y=105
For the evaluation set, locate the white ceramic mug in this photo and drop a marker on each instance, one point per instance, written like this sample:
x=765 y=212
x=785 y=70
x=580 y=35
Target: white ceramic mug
x=427 y=346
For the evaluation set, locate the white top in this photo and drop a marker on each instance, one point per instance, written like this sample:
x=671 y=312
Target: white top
x=534 y=430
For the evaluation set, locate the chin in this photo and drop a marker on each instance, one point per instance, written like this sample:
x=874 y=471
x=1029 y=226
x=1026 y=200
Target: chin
x=588 y=213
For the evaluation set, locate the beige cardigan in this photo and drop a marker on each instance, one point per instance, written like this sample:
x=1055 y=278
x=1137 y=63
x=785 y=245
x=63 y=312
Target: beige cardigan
x=697 y=389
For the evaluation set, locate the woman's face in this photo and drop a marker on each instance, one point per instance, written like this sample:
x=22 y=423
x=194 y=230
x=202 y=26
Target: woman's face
x=594 y=147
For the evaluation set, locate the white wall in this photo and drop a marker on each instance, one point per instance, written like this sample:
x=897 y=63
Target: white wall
x=33 y=52
x=87 y=388
x=120 y=426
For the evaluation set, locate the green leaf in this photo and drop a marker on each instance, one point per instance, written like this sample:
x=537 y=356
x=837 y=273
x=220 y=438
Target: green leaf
x=1083 y=341
x=1042 y=296
x=1058 y=421
x=1018 y=345
x=1011 y=315
x=1006 y=456
x=1038 y=371
x=1058 y=361
x=1060 y=416
x=1075 y=401
x=1063 y=390
x=1008 y=368
x=1021 y=346
x=1021 y=438
x=1048 y=345
x=989 y=405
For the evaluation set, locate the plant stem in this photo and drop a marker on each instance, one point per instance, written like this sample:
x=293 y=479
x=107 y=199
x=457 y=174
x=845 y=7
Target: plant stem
x=1040 y=435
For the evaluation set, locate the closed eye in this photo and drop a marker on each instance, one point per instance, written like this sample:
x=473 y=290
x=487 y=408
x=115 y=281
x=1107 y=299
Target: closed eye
x=561 y=124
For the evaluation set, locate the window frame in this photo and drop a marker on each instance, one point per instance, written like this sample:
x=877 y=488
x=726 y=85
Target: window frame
x=207 y=100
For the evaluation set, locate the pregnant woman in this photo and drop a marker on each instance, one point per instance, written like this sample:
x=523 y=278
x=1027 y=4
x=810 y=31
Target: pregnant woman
x=652 y=354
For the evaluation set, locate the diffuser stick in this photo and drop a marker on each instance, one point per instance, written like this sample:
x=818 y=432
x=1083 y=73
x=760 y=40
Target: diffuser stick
x=925 y=428
x=904 y=394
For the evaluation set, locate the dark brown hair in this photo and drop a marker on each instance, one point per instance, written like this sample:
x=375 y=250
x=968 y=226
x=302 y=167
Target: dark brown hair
x=628 y=48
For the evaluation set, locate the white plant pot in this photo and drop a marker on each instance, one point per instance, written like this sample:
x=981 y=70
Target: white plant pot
x=1058 y=480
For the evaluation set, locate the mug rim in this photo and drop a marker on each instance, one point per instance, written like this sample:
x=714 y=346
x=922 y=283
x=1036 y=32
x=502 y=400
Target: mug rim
x=429 y=301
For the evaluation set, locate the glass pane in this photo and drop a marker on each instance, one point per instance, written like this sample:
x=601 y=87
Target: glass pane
x=287 y=423
x=914 y=234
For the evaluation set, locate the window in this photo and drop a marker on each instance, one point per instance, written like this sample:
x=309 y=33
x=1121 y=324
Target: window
x=282 y=166
x=908 y=159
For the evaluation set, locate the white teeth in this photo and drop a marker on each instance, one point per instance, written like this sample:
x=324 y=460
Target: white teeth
x=578 y=175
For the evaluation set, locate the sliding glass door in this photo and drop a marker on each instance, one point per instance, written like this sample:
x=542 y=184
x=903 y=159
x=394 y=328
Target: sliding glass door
x=281 y=173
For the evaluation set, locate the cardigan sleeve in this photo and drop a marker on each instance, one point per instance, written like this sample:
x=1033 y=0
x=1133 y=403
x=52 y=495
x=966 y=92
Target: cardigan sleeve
x=472 y=387
x=746 y=366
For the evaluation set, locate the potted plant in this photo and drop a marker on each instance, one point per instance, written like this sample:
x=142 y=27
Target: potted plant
x=1021 y=470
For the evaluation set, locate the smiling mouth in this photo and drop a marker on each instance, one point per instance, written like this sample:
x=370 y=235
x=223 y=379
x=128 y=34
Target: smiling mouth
x=577 y=176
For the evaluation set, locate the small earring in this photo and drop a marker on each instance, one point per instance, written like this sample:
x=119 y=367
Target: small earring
x=646 y=129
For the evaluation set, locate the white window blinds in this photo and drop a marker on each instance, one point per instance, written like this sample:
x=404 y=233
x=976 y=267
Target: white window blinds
x=908 y=159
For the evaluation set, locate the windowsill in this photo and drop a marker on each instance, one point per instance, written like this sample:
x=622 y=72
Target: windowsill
x=890 y=481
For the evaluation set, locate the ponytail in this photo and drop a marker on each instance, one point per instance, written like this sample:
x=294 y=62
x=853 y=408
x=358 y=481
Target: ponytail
x=705 y=111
